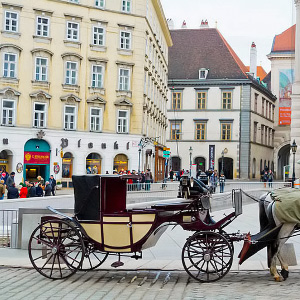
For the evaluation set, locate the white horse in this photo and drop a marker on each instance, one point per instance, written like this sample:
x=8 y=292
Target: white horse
x=279 y=215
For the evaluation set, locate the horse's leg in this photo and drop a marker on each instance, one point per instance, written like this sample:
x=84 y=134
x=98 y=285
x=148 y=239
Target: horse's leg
x=283 y=235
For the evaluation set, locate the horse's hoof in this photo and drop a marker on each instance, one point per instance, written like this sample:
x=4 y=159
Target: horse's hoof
x=278 y=278
x=284 y=273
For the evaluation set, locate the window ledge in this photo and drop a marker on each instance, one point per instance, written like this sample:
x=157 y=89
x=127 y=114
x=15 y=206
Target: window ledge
x=8 y=125
x=124 y=93
x=98 y=48
x=45 y=84
x=42 y=39
x=9 y=80
x=70 y=43
x=11 y=34
x=125 y=51
x=71 y=87
x=95 y=90
x=66 y=129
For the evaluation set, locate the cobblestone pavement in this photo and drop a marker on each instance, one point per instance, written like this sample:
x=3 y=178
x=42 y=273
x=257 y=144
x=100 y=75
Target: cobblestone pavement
x=23 y=283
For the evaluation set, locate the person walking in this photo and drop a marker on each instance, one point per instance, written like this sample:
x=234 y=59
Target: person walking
x=13 y=192
x=148 y=179
x=214 y=180
x=10 y=180
x=52 y=181
x=171 y=175
x=270 y=178
x=265 y=178
x=222 y=182
x=2 y=189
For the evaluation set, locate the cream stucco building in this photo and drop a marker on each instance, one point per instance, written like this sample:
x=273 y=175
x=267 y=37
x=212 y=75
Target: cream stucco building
x=83 y=86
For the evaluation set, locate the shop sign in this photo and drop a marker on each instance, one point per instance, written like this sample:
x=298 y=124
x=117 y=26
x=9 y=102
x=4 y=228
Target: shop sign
x=56 y=169
x=3 y=161
x=42 y=158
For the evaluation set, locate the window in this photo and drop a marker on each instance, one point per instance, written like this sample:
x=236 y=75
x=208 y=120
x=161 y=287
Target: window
x=175 y=130
x=262 y=134
x=226 y=131
x=42 y=26
x=10 y=65
x=98 y=36
x=73 y=31
x=201 y=100
x=122 y=121
x=255 y=132
x=267 y=109
x=97 y=76
x=95 y=119
x=226 y=100
x=69 y=118
x=8 y=113
x=39 y=115
x=11 y=21
x=200 y=131
x=203 y=73
x=75 y=1
x=263 y=107
x=124 y=79
x=100 y=3
x=255 y=102
x=41 y=69
x=126 y=5
x=71 y=73
x=176 y=100
x=125 y=40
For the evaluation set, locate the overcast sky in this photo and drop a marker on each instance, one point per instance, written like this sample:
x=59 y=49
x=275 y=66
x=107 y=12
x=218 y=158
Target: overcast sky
x=240 y=21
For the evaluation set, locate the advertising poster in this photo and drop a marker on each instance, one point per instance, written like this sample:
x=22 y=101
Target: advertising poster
x=286 y=79
x=211 y=162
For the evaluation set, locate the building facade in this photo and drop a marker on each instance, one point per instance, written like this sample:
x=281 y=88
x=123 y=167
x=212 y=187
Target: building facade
x=83 y=86
x=219 y=116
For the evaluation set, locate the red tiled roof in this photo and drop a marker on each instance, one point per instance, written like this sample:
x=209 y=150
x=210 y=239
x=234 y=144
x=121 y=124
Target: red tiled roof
x=285 y=41
x=260 y=72
x=194 y=49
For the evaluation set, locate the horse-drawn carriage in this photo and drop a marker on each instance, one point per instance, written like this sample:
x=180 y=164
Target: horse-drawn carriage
x=102 y=226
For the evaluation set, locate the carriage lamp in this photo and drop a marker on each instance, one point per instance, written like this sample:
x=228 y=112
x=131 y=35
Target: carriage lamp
x=191 y=152
x=294 y=149
x=140 y=145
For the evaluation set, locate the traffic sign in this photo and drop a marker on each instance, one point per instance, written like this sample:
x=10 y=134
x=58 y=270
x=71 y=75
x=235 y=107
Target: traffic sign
x=166 y=152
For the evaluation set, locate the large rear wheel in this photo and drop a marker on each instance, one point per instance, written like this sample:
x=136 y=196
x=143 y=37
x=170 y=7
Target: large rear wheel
x=56 y=249
x=207 y=256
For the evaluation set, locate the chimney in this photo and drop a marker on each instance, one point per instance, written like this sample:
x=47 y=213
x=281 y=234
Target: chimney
x=204 y=24
x=183 y=24
x=170 y=24
x=253 y=60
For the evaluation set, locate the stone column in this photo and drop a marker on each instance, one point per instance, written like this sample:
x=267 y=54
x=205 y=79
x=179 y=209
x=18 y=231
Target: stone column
x=295 y=117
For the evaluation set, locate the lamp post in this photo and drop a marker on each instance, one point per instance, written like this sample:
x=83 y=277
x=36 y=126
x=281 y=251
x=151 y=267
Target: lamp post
x=294 y=149
x=222 y=167
x=140 y=150
x=191 y=152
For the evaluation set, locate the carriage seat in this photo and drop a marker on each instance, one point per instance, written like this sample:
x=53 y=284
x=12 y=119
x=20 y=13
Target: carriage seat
x=172 y=206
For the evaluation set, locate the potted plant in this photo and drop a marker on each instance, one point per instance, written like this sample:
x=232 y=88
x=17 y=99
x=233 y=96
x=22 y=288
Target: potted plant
x=58 y=185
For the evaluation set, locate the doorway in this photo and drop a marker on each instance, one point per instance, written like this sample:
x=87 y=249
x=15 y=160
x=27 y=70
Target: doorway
x=33 y=171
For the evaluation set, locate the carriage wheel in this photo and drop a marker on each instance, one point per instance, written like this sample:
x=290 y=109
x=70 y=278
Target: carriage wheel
x=93 y=258
x=56 y=249
x=207 y=256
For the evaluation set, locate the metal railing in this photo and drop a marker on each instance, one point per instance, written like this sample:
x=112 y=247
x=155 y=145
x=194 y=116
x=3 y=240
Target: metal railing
x=8 y=228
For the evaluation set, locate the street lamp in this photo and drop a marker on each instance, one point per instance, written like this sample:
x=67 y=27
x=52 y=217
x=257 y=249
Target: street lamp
x=191 y=152
x=140 y=145
x=223 y=153
x=294 y=149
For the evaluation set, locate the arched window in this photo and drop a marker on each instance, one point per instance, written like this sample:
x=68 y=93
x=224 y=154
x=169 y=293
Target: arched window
x=93 y=163
x=67 y=165
x=120 y=163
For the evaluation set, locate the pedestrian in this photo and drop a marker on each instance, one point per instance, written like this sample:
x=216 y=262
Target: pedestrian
x=47 y=189
x=148 y=179
x=10 y=180
x=265 y=178
x=270 y=178
x=222 y=182
x=171 y=174
x=32 y=191
x=39 y=190
x=23 y=191
x=52 y=181
x=2 y=189
x=12 y=192
x=214 y=180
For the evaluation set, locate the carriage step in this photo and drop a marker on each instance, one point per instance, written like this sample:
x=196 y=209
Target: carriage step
x=117 y=264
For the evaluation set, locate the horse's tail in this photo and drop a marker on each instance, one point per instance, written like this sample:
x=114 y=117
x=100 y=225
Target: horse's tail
x=263 y=218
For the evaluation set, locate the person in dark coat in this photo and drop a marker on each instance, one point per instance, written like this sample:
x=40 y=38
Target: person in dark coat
x=32 y=191
x=10 y=180
x=52 y=181
x=39 y=190
x=13 y=192
x=47 y=189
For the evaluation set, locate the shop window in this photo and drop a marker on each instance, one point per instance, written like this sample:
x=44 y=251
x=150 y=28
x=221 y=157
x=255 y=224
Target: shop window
x=67 y=165
x=93 y=163
x=121 y=163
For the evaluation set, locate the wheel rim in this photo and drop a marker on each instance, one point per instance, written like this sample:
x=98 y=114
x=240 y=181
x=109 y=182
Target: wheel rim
x=93 y=258
x=56 y=249
x=207 y=256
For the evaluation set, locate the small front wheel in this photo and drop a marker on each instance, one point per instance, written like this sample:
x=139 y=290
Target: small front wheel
x=56 y=249
x=207 y=256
